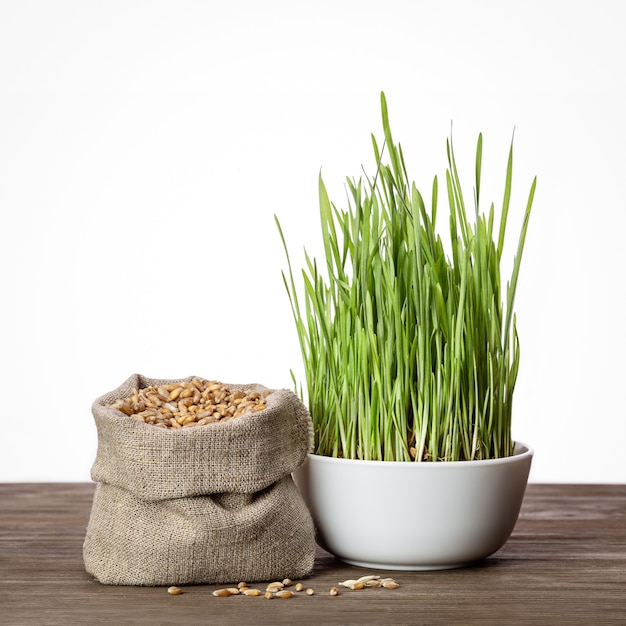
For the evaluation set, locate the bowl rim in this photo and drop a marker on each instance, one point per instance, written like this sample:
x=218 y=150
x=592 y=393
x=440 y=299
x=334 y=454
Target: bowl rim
x=522 y=451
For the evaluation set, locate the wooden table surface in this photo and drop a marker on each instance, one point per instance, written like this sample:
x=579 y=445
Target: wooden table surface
x=565 y=563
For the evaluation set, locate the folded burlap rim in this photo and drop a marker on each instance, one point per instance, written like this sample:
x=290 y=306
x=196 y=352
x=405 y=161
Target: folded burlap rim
x=243 y=455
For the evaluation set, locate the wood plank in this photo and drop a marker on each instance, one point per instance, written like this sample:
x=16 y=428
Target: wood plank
x=565 y=562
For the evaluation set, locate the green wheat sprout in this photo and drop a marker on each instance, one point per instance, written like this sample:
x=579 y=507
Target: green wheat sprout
x=409 y=354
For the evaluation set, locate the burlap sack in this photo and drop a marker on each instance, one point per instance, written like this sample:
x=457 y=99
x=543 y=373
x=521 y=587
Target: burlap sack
x=211 y=504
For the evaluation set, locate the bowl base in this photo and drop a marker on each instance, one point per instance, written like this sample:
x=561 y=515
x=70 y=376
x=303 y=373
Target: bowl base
x=404 y=568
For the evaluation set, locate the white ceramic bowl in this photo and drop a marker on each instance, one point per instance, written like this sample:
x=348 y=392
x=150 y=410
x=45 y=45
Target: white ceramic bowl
x=414 y=516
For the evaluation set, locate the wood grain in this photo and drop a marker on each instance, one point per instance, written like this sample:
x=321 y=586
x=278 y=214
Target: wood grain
x=564 y=563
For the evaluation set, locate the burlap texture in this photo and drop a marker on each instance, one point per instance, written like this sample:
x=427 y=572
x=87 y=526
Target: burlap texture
x=209 y=504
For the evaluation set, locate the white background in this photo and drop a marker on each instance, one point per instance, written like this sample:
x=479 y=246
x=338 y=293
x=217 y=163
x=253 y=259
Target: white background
x=146 y=146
